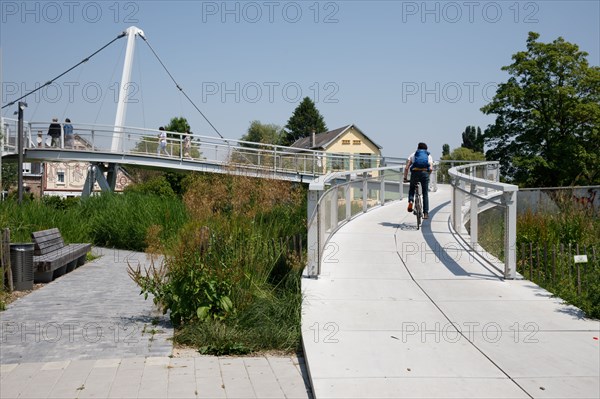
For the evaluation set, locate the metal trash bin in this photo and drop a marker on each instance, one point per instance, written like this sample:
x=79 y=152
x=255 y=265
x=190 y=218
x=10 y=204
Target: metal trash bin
x=21 y=261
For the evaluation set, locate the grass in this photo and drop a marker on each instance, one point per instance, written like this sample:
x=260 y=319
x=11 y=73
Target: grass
x=110 y=220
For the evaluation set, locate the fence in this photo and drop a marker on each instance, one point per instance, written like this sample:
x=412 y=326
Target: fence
x=475 y=189
x=556 y=268
x=6 y=283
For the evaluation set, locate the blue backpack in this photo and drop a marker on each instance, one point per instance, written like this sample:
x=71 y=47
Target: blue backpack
x=420 y=160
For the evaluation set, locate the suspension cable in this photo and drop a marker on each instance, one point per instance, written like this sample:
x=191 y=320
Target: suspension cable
x=122 y=34
x=179 y=87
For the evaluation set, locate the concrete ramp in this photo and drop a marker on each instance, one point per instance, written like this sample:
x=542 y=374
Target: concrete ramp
x=400 y=312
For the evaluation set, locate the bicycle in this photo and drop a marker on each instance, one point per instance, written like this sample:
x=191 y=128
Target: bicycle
x=418 y=203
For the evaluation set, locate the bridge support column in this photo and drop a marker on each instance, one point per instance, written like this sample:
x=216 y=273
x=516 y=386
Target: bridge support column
x=111 y=176
x=95 y=174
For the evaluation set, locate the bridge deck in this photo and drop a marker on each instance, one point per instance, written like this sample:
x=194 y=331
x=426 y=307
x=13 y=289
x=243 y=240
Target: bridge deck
x=382 y=319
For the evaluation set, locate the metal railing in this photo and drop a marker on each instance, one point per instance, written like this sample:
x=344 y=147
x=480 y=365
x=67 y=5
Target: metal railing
x=205 y=149
x=475 y=189
x=349 y=195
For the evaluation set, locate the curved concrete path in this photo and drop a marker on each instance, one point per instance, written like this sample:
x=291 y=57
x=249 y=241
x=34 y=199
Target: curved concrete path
x=404 y=313
x=90 y=334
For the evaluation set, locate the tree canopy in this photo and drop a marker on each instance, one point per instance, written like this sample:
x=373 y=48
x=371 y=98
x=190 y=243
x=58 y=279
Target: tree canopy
x=546 y=131
x=457 y=154
x=263 y=133
x=304 y=120
x=464 y=154
x=178 y=124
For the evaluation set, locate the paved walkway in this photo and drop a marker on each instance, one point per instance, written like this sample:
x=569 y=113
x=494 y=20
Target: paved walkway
x=94 y=312
x=90 y=334
x=404 y=313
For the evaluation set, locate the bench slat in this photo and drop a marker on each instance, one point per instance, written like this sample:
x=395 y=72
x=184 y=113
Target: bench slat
x=46 y=241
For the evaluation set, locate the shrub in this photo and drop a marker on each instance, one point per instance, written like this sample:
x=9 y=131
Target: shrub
x=157 y=185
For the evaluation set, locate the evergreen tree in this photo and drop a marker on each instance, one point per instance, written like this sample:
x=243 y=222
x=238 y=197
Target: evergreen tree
x=304 y=120
x=178 y=124
x=472 y=139
x=445 y=150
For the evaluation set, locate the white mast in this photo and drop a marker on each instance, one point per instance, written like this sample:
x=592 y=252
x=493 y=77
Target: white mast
x=117 y=141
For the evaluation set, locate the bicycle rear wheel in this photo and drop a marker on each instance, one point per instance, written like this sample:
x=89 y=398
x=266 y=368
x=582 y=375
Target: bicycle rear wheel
x=418 y=205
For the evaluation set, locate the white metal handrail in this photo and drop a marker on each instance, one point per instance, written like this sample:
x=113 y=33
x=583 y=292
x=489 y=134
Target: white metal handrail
x=475 y=188
x=349 y=195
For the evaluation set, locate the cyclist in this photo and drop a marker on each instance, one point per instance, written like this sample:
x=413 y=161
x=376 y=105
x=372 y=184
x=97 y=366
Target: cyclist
x=420 y=164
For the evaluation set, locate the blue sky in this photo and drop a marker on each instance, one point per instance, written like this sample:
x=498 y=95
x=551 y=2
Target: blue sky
x=402 y=71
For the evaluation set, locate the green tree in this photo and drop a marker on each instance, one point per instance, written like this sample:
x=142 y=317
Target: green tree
x=547 y=128
x=457 y=154
x=178 y=124
x=304 y=120
x=263 y=133
x=445 y=150
x=464 y=154
x=472 y=138
x=10 y=173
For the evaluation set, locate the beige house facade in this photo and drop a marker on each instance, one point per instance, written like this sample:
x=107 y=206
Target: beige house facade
x=339 y=143
x=66 y=179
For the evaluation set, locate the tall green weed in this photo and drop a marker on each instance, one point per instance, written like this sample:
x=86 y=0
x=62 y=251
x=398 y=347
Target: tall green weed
x=227 y=282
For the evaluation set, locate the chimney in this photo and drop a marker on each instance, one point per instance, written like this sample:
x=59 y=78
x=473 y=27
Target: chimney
x=313 y=139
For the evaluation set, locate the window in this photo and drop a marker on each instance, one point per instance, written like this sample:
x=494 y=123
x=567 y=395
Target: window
x=338 y=162
x=60 y=177
x=366 y=161
x=355 y=142
x=345 y=142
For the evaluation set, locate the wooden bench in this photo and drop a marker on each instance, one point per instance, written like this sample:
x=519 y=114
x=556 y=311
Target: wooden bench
x=52 y=258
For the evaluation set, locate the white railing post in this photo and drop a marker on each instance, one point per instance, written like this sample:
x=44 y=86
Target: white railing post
x=333 y=218
x=510 y=234
x=348 y=192
x=433 y=178
x=365 y=185
x=314 y=250
x=401 y=183
x=457 y=201
x=473 y=216
x=382 y=188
